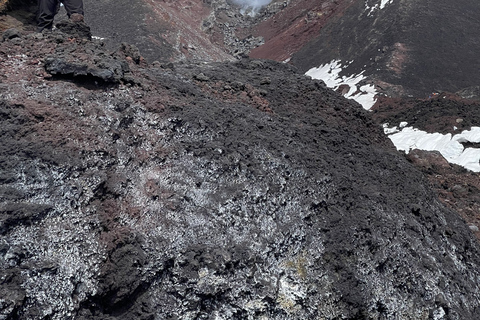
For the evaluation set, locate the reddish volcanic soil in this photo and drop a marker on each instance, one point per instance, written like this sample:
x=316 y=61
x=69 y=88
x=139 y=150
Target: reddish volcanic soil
x=290 y=29
x=457 y=188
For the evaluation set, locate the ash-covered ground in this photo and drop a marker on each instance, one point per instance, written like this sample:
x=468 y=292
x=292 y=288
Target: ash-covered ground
x=235 y=190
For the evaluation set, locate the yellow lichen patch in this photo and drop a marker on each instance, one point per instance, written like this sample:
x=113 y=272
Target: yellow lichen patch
x=299 y=264
x=290 y=293
x=287 y=304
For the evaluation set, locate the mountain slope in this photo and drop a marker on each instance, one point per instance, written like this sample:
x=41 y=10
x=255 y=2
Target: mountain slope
x=405 y=47
x=230 y=190
x=419 y=46
x=289 y=30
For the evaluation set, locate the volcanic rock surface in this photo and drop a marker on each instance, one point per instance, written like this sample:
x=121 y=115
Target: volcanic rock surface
x=174 y=30
x=445 y=113
x=235 y=190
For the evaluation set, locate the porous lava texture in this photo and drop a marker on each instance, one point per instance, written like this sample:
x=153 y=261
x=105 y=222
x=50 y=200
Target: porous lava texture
x=237 y=190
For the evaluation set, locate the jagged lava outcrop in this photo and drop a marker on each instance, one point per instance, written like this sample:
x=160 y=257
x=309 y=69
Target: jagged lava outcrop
x=236 y=190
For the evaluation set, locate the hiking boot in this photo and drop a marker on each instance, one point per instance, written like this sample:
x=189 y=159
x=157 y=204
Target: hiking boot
x=76 y=17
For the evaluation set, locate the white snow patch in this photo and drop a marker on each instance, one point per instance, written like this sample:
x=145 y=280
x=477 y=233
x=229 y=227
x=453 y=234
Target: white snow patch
x=449 y=146
x=384 y=3
x=330 y=74
x=378 y=6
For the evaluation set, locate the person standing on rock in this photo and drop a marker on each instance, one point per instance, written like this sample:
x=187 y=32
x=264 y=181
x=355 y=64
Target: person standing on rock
x=47 y=9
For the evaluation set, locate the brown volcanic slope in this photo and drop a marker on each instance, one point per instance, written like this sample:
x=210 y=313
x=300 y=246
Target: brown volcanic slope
x=188 y=191
x=419 y=45
x=162 y=30
x=211 y=30
x=168 y=30
x=298 y=23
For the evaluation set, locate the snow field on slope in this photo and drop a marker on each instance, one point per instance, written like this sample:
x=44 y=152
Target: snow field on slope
x=380 y=6
x=449 y=146
x=408 y=138
x=330 y=74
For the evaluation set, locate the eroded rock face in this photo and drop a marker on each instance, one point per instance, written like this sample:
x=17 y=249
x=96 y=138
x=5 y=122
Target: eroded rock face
x=192 y=191
x=213 y=30
x=164 y=30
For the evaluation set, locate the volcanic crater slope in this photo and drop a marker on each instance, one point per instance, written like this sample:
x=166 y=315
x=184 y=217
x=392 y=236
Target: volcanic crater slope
x=403 y=47
x=407 y=47
x=237 y=190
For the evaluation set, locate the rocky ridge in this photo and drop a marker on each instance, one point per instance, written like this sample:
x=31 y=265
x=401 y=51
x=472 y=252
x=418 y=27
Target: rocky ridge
x=237 y=190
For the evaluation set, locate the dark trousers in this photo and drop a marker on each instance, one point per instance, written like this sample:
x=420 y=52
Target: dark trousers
x=47 y=9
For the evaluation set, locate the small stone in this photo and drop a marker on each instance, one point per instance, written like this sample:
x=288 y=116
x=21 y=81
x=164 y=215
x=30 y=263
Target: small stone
x=266 y=80
x=474 y=228
x=459 y=120
x=77 y=17
x=36 y=36
x=201 y=77
x=459 y=191
x=261 y=92
x=156 y=64
x=16 y=41
x=131 y=51
x=78 y=30
x=10 y=34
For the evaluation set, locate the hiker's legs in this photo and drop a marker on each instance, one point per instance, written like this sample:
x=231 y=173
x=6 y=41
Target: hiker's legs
x=46 y=13
x=73 y=6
